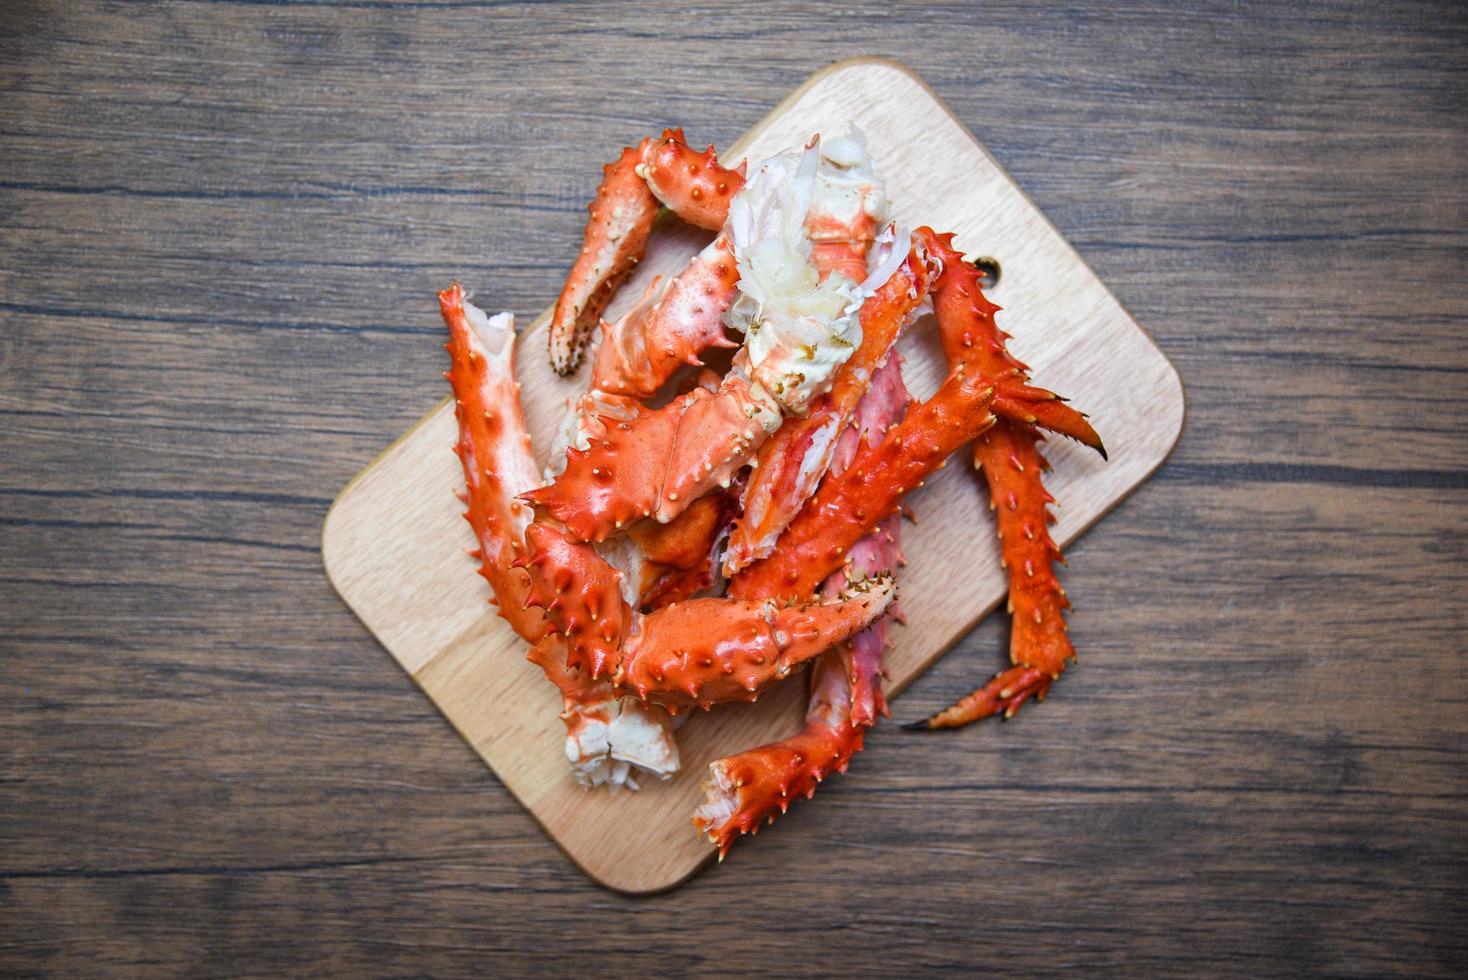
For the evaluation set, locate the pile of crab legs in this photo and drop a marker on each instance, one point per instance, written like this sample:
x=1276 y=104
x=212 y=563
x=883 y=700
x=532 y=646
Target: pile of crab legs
x=704 y=550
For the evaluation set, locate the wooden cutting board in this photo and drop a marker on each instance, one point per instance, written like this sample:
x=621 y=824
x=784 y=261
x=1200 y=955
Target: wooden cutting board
x=394 y=542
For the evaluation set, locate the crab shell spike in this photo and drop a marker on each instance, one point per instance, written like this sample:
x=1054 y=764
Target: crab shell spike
x=669 y=327
x=662 y=460
x=969 y=334
x=580 y=594
x=708 y=651
x=754 y=786
x=620 y=221
x=694 y=185
x=494 y=448
x=873 y=486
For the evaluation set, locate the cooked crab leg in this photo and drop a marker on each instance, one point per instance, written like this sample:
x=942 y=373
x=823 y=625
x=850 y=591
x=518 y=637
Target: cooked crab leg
x=675 y=321
x=845 y=684
x=703 y=651
x=848 y=507
x=606 y=736
x=665 y=170
x=709 y=651
x=1039 y=646
x=969 y=333
x=745 y=789
x=1009 y=457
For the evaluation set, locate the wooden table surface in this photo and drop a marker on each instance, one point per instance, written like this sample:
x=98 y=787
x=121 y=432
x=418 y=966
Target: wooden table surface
x=221 y=226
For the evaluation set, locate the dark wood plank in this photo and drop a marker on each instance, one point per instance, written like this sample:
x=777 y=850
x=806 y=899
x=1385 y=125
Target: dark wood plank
x=222 y=225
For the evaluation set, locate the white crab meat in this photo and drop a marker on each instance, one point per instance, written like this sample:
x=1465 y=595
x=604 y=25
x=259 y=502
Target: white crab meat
x=848 y=190
x=615 y=740
x=798 y=329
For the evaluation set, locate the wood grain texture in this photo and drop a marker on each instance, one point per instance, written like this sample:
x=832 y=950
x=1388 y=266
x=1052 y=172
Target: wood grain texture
x=220 y=222
x=393 y=543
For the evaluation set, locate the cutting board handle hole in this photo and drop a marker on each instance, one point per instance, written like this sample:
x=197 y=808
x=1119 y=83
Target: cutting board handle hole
x=989 y=269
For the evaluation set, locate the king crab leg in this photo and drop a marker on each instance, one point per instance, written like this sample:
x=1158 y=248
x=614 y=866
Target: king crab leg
x=674 y=322
x=700 y=652
x=1009 y=457
x=606 y=736
x=658 y=171
x=969 y=334
x=845 y=685
x=849 y=506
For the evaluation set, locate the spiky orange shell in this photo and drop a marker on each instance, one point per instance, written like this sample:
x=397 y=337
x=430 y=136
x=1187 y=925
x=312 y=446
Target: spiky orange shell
x=708 y=651
x=615 y=481
x=620 y=221
x=580 y=594
x=1009 y=456
x=795 y=458
x=969 y=334
x=658 y=463
x=848 y=507
x=493 y=446
x=1039 y=645
x=669 y=327
x=1003 y=694
x=746 y=789
x=695 y=186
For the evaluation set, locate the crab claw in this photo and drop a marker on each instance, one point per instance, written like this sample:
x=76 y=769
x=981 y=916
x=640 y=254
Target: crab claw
x=671 y=326
x=708 y=651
